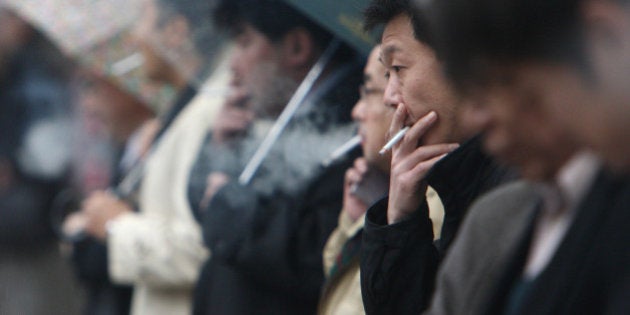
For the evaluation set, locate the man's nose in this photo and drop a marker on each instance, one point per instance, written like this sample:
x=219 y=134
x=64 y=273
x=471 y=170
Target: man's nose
x=357 y=110
x=392 y=95
x=236 y=71
x=236 y=61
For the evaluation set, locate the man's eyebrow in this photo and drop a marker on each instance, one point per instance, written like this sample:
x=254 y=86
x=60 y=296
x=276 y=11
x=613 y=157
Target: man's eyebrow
x=387 y=51
x=390 y=49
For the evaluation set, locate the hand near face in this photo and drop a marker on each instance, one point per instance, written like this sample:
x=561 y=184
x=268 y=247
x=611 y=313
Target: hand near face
x=234 y=117
x=99 y=208
x=364 y=185
x=352 y=204
x=214 y=182
x=410 y=164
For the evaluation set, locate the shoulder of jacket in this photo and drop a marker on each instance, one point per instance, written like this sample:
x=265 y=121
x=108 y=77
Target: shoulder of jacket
x=505 y=201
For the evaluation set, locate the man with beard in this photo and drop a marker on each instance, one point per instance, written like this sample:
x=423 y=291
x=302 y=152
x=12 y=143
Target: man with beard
x=266 y=237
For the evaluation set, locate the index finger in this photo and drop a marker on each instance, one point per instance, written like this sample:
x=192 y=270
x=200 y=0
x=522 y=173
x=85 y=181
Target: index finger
x=421 y=126
x=398 y=121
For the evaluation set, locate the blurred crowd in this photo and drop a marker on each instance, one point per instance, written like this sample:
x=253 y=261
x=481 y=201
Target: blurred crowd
x=314 y=157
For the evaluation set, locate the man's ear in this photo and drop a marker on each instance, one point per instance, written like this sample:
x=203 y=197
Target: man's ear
x=607 y=41
x=607 y=24
x=298 y=48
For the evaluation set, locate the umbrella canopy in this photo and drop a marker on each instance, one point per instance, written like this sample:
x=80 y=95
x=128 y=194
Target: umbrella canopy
x=342 y=18
x=77 y=25
x=97 y=34
x=182 y=34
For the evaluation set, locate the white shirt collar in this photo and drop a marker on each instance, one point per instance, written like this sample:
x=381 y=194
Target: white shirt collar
x=575 y=178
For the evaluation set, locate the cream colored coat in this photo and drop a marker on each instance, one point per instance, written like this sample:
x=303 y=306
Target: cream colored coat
x=159 y=250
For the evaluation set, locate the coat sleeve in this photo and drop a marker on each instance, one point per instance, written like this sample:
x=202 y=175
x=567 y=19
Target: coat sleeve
x=398 y=262
x=158 y=251
x=279 y=240
x=161 y=246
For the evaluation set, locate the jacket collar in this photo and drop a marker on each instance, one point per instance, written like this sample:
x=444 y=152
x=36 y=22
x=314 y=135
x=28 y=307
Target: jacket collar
x=466 y=172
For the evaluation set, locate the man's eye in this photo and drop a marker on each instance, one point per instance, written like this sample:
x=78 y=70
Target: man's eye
x=396 y=68
x=387 y=75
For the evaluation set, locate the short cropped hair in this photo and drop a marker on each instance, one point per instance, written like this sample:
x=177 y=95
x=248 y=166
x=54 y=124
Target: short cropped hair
x=273 y=18
x=472 y=35
x=381 y=12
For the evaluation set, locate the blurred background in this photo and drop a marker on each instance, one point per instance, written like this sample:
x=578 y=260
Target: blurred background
x=86 y=86
x=78 y=79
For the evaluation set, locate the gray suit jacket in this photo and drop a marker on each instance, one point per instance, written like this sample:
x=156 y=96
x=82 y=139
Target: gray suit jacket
x=489 y=237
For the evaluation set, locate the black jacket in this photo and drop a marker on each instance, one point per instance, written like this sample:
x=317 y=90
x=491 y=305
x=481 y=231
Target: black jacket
x=266 y=239
x=399 y=261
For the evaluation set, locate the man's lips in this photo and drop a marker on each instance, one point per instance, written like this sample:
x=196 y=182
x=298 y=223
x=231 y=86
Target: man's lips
x=361 y=135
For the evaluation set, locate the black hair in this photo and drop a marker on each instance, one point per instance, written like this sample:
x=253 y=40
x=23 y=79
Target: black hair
x=273 y=18
x=381 y=12
x=474 y=35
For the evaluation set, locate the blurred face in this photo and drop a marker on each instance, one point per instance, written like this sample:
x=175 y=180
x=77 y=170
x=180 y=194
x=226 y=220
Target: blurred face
x=372 y=116
x=256 y=67
x=515 y=114
x=415 y=81
x=117 y=110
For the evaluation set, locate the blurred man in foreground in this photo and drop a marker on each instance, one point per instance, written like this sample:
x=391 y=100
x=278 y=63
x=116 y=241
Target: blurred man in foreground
x=559 y=247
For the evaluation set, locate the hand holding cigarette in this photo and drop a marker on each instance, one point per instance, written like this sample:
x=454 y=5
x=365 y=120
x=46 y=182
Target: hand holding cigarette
x=363 y=186
x=411 y=163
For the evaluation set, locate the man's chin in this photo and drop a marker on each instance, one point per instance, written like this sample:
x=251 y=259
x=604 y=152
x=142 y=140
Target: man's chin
x=538 y=172
x=618 y=166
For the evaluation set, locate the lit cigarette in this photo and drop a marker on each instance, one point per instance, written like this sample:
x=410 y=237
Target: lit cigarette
x=127 y=64
x=342 y=150
x=395 y=139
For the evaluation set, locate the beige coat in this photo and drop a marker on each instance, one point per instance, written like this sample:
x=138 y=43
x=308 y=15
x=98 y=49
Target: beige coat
x=159 y=250
x=343 y=296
